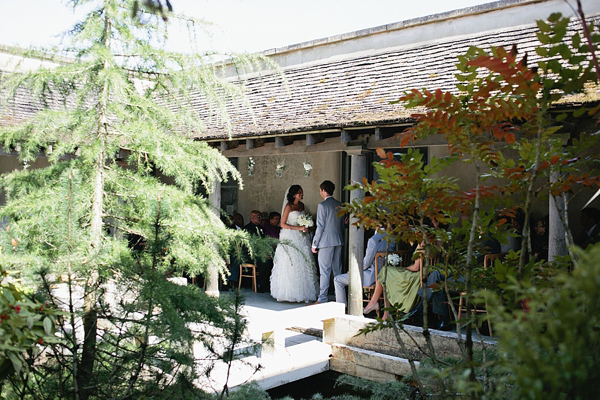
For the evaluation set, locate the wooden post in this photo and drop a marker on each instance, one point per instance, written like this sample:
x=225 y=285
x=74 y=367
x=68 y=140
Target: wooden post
x=358 y=171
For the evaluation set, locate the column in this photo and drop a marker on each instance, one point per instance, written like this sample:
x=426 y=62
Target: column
x=358 y=171
x=212 y=280
x=557 y=245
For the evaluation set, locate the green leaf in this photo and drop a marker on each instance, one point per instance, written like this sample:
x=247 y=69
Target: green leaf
x=554 y=65
x=541 y=51
x=17 y=364
x=543 y=26
x=544 y=39
x=9 y=296
x=564 y=51
x=554 y=17
x=576 y=40
x=48 y=326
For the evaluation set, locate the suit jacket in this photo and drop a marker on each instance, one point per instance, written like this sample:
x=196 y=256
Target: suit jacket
x=376 y=243
x=590 y=237
x=329 y=225
x=254 y=229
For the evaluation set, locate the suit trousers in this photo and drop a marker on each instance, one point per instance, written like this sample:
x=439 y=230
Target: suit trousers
x=339 y=283
x=330 y=260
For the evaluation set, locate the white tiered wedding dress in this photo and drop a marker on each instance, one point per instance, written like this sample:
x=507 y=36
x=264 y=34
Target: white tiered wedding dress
x=294 y=276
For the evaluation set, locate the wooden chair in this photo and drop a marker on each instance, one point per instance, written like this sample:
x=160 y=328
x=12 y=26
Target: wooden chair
x=488 y=261
x=247 y=271
x=379 y=262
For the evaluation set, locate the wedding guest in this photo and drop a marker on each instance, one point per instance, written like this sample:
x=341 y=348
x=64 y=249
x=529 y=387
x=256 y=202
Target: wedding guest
x=272 y=228
x=377 y=242
x=264 y=219
x=255 y=225
x=539 y=239
x=402 y=286
x=226 y=219
x=238 y=221
x=590 y=224
x=514 y=233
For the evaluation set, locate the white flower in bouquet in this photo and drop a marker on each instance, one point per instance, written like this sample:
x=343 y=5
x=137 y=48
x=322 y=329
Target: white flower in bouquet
x=306 y=221
x=394 y=259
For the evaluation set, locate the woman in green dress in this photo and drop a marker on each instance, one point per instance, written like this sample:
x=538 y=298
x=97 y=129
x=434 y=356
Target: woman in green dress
x=402 y=285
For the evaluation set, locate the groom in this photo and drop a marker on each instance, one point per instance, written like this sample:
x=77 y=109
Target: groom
x=328 y=238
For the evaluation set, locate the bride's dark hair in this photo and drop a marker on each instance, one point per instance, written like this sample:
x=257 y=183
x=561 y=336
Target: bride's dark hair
x=292 y=192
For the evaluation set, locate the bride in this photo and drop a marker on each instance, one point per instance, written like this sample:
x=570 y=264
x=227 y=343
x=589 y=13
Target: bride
x=294 y=275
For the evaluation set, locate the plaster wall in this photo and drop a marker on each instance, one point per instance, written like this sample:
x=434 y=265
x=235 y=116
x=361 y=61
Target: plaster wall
x=414 y=32
x=10 y=163
x=465 y=173
x=264 y=191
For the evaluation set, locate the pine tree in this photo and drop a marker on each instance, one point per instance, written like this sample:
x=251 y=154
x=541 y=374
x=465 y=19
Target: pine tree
x=115 y=118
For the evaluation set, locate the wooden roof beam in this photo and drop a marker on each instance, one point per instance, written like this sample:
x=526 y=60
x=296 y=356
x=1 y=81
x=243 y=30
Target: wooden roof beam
x=345 y=136
x=312 y=139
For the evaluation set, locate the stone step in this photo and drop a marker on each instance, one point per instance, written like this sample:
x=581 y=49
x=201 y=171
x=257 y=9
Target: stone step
x=368 y=364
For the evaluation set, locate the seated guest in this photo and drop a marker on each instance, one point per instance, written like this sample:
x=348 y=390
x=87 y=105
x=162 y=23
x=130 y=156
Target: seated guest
x=272 y=228
x=263 y=268
x=402 y=286
x=437 y=300
x=377 y=242
x=590 y=224
x=264 y=219
x=226 y=219
x=514 y=234
x=487 y=245
x=238 y=221
x=255 y=226
x=539 y=239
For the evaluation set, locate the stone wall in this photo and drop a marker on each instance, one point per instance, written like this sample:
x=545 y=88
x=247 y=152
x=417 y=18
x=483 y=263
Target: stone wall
x=264 y=191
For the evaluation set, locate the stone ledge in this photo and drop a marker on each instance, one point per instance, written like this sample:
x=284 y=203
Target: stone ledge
x=345 y=331
x=368 y=364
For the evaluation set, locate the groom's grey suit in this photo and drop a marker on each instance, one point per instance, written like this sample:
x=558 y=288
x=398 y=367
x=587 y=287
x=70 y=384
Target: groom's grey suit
x=328 y=239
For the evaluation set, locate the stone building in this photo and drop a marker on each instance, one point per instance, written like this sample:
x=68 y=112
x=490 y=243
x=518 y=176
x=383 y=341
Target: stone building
x=322 y=115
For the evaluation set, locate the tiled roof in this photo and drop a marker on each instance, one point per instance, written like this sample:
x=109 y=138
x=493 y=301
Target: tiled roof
x=358 y=91
x=345 y=92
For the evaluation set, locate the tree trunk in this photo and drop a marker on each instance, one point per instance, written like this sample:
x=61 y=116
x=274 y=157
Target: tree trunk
x=90 y=315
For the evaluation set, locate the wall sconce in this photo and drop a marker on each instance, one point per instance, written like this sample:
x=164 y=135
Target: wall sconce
x=251 y=163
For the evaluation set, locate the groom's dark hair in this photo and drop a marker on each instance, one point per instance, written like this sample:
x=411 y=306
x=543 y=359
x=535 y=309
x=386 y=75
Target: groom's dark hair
x=328 y=186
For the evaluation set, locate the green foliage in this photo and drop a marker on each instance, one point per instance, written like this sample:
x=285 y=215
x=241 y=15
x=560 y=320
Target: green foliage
x=405 y=195
x=26 y=326
x=376 y=390
x=551 y=348
x=115 y=123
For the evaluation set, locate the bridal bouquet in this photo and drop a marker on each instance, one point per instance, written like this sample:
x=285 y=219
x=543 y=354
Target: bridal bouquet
x=394 y=259
x=306 y=221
